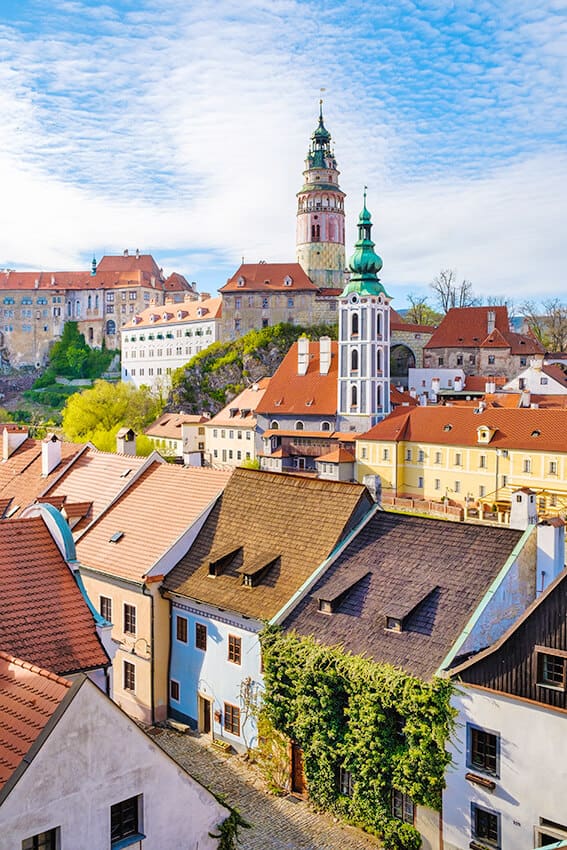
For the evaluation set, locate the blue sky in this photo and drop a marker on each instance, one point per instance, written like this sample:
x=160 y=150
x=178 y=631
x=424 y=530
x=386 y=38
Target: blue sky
x=181 y=128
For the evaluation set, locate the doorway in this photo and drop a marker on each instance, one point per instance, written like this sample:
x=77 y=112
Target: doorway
x=298 y=782
x=205 y=710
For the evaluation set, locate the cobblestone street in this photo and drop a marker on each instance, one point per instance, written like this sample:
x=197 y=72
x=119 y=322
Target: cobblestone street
x=277 y=823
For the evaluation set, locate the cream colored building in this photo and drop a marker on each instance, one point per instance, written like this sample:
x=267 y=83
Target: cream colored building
x=231 y=436
x=469 y=456
x=180 y=435
x=161 y=339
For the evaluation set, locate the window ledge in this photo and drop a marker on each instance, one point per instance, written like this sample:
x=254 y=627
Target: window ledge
x=483 y=781
x=476 y=845
x=128 y=841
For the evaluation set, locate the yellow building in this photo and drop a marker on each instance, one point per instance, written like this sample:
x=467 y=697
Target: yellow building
x=469 y=456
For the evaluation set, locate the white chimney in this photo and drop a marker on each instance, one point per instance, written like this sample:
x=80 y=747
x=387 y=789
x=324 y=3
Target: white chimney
x=550 y=551
x=458 y=384
x=373 y=484
x=490 y=387
x=302 y=355
x=491 y=321
x=50 y=454
x=324 y=355
x=525 y=398
x=423 y=400
x=126 y=442
x=413 y=392
x=12 y=438
x=435 y=385
x=482 y=406
x=524 y=509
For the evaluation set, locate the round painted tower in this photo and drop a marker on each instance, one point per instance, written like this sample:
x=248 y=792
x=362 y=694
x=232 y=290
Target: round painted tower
x=320 y=213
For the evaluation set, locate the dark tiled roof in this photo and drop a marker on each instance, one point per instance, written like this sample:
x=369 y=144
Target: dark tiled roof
x=301 y=518
x=429 y=573
x=28 y=698
x=43 y=615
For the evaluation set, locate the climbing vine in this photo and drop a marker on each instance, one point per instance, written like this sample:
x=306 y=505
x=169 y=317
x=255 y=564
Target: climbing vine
x=228 y=831
x=387 y=728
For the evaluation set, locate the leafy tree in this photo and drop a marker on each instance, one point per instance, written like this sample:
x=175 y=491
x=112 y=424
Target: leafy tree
x=420 y=312
x=73 y=358
x=98 y=413
x=450 y=293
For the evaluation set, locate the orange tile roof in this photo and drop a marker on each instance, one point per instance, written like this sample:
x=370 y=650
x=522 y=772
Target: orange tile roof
x=247 y=400
x=168 y=426
x=457 y=426
x=129 y=263
x=269 y=277
x=477 y=383
x=183 y=494
x=556 y=373
x=311 y=394
x=398 y=397
x=96 y=477
x=43 y=615
x=467 y=327
x=284 y=510
x=337 y=455
x=20 y=476
x=29 y=697
x=169 y=314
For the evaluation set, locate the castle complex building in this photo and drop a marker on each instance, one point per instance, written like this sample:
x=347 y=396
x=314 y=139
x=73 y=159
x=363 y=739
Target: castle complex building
x=320 y=214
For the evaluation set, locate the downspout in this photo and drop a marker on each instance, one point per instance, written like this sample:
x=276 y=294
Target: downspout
x=152 y=654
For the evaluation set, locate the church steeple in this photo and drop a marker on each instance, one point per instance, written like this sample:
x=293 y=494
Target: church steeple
x=320 y=213
x=364 y=337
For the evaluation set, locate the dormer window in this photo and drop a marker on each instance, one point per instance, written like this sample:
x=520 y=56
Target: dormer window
x=287 y=280
x=393 y=624
x=325 y=607
x=240 y=281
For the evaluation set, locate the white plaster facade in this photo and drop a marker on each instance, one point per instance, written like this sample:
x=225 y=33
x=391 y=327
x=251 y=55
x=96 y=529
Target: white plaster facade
x=95 y=757
x=530 y=793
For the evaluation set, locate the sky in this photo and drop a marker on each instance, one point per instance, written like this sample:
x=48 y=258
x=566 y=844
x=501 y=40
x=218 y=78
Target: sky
x=180 y=128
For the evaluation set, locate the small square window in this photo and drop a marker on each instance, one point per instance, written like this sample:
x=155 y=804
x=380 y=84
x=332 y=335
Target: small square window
x=231 y=719
x=402 y=807
x=200 y=636
x=346 y=784
x=485 y=826
x=551 y=670
x=491 y=359
x=181 y=630
x=174 y=690
x=125 y=820
x=234 y=649
x=483 y=750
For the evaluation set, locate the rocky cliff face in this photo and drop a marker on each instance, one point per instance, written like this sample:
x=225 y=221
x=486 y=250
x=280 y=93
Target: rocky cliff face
x=215 y=376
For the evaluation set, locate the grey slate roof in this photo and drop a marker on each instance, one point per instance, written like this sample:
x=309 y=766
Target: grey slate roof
x=429 y=573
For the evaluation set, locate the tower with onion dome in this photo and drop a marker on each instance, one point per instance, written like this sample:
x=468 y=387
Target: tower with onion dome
x=320 y=237
x=364 y=337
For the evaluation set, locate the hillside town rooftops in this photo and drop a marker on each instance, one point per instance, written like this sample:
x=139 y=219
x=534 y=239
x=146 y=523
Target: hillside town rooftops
x=308 y=394
x=173 y=313
x=241 y=411
x=468 y=327
x=169 y=425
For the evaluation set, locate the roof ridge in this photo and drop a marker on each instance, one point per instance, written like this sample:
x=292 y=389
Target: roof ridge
x=33 y=668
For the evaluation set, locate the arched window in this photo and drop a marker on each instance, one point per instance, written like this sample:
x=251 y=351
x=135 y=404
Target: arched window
x=379 y=360
x=378 y=324
x=325 y=426
x=354 y=360
x=379 y=396
x=299 y=425
x=354 y=325
x=96 y=302
x=111 y=327
x=353 y=397
x=89 y=302
x=274 y=425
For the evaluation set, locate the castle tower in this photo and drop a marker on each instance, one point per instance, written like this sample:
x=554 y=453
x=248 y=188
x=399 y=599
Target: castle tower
x=364 y=338
x=320 y=213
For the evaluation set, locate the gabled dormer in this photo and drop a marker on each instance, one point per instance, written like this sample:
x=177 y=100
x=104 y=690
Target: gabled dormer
x=485 y=433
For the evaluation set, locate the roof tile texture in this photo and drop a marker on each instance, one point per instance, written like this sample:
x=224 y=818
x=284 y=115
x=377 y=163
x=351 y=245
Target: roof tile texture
x=398 y=561
x=43 y=615
x=269 y=277
x=300 y=518
x=149 y=532
x=311 y=394
x=28 y=698
x=467 y=327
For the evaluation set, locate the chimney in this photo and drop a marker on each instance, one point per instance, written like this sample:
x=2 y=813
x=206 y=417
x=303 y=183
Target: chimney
x=302 y=355
x=126 y=442
x=413 y=392
x=50 y=454
x=435 y=385
x=12 y=438
x=137 y=253
x=458 y=384
x=525 y=398
x=481 y=406
x=524 y=509
x=423 y=400
x=490 y=321
x=550 y=551
x=490 y=387
x=373 y=484
x=324 y=355
x=126 y=252
x=93 y=267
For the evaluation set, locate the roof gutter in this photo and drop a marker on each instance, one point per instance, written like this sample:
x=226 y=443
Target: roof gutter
x=322 y=568
x=486 y=599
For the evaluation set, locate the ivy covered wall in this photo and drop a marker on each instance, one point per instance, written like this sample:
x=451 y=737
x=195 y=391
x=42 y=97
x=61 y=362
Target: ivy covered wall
x=387 y=728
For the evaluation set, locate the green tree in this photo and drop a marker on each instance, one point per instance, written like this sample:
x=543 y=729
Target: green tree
x=420 y=312
x=97 y=414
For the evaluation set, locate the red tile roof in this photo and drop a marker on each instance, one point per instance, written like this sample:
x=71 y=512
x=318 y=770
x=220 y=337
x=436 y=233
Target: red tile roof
x=43 y=615
x=168 y=426
x=129 y=263
x=269 y=277
x=398 y=324
x=338 y=455
x=247 y=400
x=311 y=394
x=173 y=314
x=183 y=493
x=29 y=697
x=526 y=428
x=21 y=480
x=467 y=327
x=556 y=373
